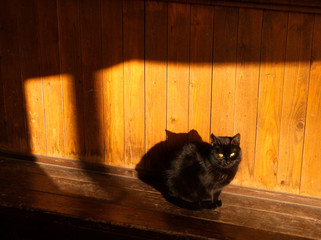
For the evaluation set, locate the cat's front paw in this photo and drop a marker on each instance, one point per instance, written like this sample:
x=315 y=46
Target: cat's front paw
x=218 y=203
x=208 y=205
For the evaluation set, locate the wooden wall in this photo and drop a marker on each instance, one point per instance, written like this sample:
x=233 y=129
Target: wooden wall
x=101 y=80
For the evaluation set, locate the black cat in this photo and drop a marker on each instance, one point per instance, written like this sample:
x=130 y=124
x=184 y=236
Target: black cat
x=200 y=170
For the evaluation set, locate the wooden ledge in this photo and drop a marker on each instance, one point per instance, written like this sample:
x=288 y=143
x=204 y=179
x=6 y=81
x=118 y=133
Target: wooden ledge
x=301 y=6
x=80 y=203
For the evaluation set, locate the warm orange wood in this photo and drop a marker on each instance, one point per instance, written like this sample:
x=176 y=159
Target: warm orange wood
x=3 y=72
x=246 y=93
x=133 y=23
x=70 y=65
x=113 y=82
x=90 y=28
x=52 y=93
x=3 y=129
x=246 y=213
x=101 y=81
x=311 y=178
x=224 y=67
x=178 y=67
x=296 y=78
x=17 y=138
x=303 y=6
x=155 y=73
x=201 y=44
x=270 y=98
x=30 y=60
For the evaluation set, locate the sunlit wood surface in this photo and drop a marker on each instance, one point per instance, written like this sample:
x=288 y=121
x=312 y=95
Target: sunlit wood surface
x=101 y=81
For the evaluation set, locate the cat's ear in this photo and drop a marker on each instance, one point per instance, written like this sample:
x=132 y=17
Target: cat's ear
x=214 y=140
x=236 y=139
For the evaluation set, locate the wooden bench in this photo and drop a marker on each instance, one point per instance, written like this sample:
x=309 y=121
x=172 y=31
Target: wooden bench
x=72 y=199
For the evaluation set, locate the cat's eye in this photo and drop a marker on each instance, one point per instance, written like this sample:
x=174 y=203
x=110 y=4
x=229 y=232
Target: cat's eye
x=220 y=155
x=232 y=154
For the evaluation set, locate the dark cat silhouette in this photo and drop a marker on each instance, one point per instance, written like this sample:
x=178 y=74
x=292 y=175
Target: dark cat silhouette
x=159 y=157
x=200 y=170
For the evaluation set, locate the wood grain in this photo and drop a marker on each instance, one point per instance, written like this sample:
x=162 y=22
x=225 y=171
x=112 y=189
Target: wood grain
x=30 y=59
x=298 y=6
x=155 y=74
x=133 y=23
x=296 y=78
x=113 y=82
x=224 y=68
x=201 y=44
x=270 y=98
x=51 y=188
x=107 y=212
x=71 y=76
x=178 y=67
x=90 y=28
x=246 y=94
x=50 y=67
x=17 y=138
x=310 y=176
x=101 y=81
x=3 y=117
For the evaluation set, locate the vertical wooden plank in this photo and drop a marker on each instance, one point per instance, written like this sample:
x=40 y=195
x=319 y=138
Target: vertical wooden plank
x=11 y=77
x=224 y=67
x=90 y=28
x=3 y=120
x=30 y=59
x=113 y=81
x=48 y=28
x=270 y=98
x=311 y=178
x=155 y=73
x=70 y=63
x=3 y=117
x=296 y=78
x=133 y=23
x=202 y=18
x=178 y=67
x=247 y=79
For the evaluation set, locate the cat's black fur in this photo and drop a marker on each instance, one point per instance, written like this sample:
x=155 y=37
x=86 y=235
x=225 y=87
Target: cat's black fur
x=198 y=173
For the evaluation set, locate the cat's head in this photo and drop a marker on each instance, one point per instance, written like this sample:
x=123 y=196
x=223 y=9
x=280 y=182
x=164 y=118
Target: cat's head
x=226 y=151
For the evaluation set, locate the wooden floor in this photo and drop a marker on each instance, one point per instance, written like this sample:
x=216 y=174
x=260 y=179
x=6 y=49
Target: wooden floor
x=40 y=200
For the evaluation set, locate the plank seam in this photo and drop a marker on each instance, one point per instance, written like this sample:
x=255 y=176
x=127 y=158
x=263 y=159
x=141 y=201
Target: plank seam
x=307 y=104
x=282 y=100
x=212 y=74
x=60 y=77
x=235 y=75
x=257 y=102
x=124 y=112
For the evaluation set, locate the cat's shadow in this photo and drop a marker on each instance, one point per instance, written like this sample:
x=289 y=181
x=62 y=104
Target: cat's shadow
x=159 y=157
